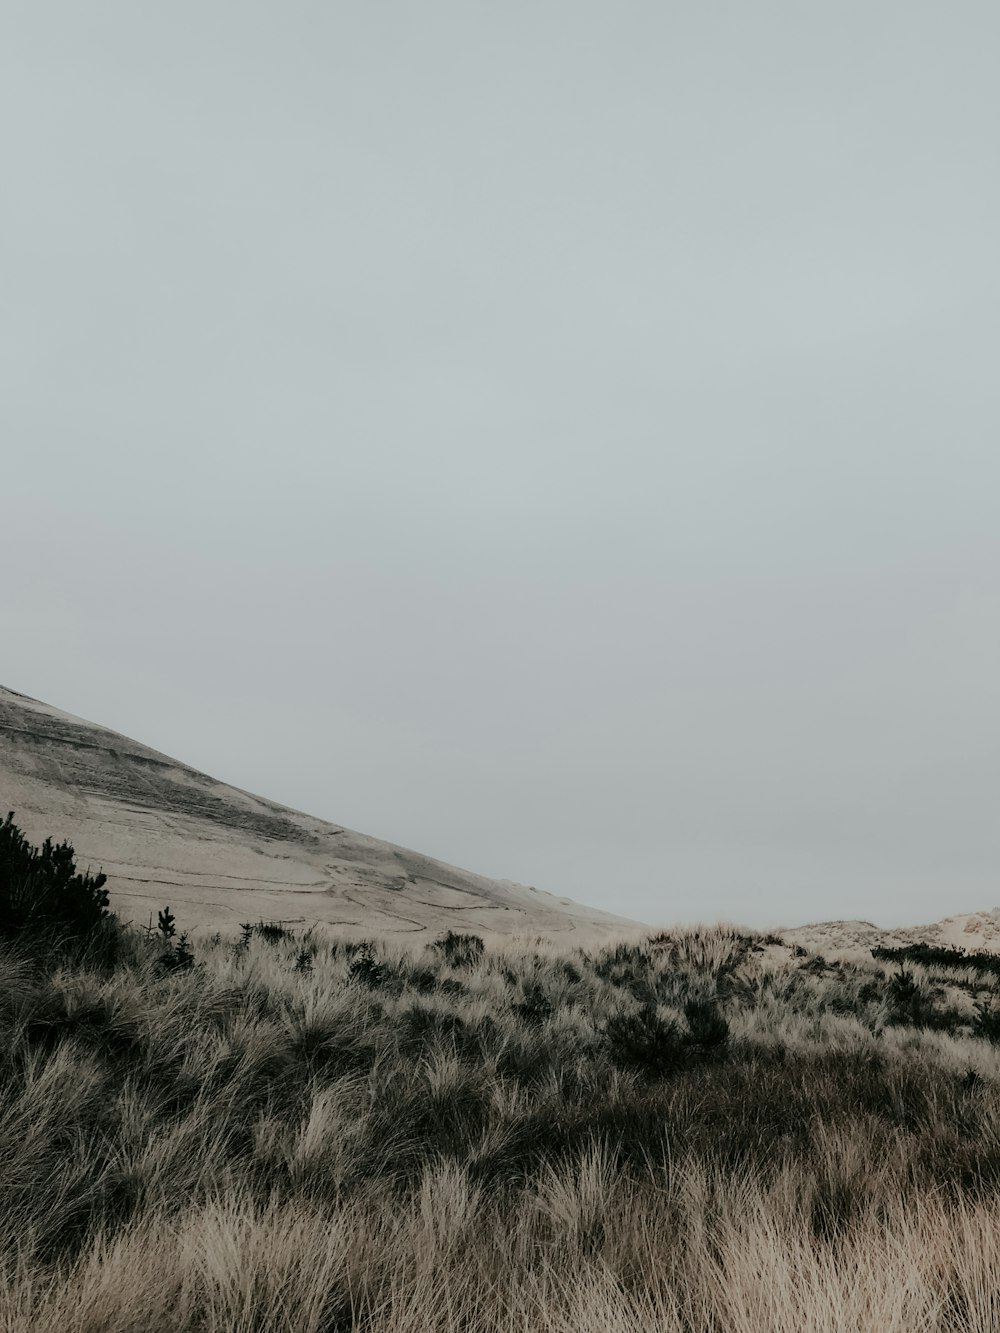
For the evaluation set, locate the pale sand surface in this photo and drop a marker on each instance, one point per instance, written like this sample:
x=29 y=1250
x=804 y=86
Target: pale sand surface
x=166 y=834
x=973 y=931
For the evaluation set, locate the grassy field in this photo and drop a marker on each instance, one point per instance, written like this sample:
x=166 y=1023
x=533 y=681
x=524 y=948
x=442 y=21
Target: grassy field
x=703 y=1131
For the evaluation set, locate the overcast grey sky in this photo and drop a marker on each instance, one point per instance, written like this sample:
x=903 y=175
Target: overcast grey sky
x=558 y=437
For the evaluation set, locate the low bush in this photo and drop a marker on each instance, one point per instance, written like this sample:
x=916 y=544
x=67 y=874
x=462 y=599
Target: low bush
x=460 y=950
x=987 y=1021
x=176 y=954
x=366 y=970
x=42 y=894
x=913 y=1003
x=938 y=955
x=708 y=1030
x=640 y=1040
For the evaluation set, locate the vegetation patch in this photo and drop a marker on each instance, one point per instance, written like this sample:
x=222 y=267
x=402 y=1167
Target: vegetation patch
x=42 y=894
x=939 y=956
x=299 y=1132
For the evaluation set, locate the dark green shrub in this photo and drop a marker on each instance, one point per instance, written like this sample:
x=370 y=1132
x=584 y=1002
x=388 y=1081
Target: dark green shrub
x=41 y=892
x=273 y=932
x=708 y=1030
x=460 y=950
x=365 y=970
x=905 y=997
x=939 y=955
x=177 y=955
x=987 y=1022
x=641 y=1040
x=912 y=1005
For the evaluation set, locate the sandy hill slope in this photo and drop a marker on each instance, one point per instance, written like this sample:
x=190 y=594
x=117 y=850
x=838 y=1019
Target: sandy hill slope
x=166 y=834
x=973 y=931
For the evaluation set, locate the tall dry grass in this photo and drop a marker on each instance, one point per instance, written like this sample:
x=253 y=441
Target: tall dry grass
x=308 y=1137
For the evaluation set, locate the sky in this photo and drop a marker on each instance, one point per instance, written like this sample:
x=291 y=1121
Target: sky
x=561 y=438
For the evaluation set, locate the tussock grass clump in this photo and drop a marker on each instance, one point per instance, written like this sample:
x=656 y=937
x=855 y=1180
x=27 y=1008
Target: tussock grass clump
x=697 y=1132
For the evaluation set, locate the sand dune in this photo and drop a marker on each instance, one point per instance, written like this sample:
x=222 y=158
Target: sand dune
x=973 y=931
x=166 y=834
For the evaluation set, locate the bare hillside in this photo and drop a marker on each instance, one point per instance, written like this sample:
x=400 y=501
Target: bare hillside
x=167 y=834
x=973 y=931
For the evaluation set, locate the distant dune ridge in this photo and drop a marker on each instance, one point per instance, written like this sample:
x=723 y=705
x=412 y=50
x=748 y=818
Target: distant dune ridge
x=167 y=834
x=973 y=931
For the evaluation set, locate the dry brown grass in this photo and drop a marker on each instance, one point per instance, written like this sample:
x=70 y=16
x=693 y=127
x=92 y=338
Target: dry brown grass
x=247 y=1147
